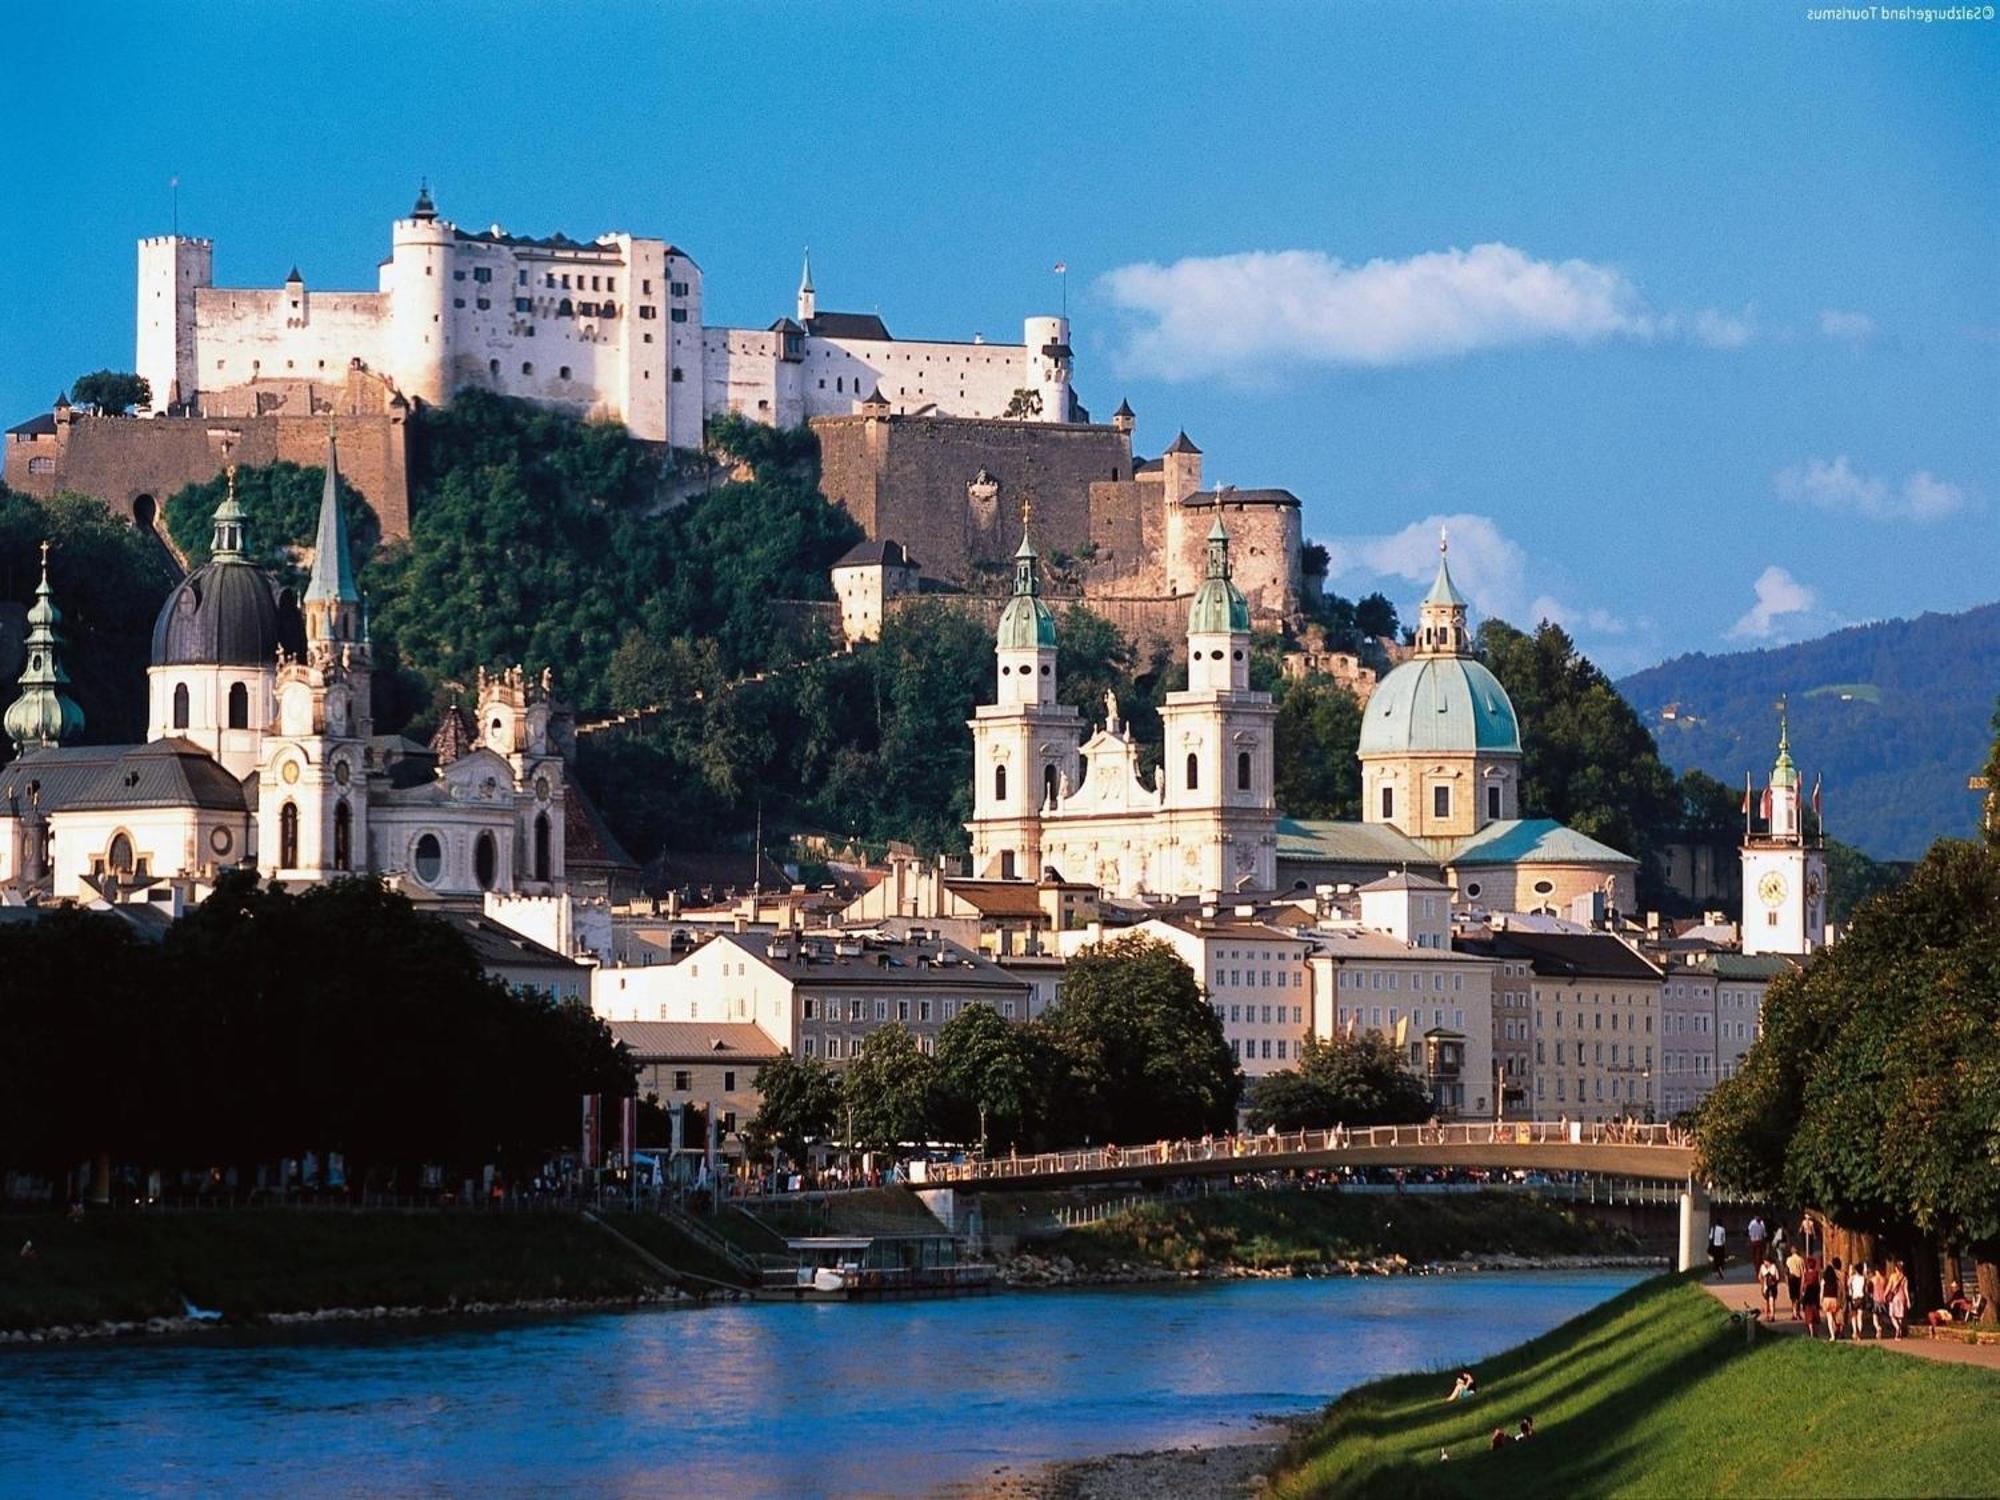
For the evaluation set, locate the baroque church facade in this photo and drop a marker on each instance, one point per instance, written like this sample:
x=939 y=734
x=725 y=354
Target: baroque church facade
x=261 y=751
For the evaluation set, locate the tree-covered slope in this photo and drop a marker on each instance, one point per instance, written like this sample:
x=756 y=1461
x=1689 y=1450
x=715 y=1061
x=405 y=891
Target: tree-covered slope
x=1895 y=715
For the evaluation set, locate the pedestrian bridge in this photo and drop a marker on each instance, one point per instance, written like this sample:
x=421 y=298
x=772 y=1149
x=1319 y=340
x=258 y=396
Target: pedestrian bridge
x=1609 y=1148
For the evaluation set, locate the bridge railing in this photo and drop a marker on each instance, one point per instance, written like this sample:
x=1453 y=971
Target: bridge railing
x=1250 y=1149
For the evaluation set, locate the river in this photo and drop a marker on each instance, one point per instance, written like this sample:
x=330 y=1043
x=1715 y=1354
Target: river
x=739 y=1401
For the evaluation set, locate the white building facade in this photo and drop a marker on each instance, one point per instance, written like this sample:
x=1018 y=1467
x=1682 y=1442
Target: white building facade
x=608 y=328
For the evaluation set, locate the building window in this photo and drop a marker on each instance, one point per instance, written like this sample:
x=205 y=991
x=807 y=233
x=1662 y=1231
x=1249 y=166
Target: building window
x=729 y=1081
x=343 y=836
x=288 y=836
x=683 y=1080
x=1050 y=782
x=1493 y=800
x=427 y=858
x=1440 y=801
x=1193 y=772
x=677 y=314
x=239 y=706
x=1388 y=803
x=541 y=846
x=1243 y=771
x=485 y=861
x=180 y=705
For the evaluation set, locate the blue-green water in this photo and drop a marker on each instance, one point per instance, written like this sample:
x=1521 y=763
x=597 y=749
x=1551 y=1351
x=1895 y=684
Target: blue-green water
x=891 y=1399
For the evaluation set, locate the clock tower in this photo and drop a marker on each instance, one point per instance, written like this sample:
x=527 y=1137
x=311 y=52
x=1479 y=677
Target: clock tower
x=1784 y=866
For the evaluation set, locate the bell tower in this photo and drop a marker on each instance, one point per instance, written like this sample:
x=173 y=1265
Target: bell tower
x=1784 y=863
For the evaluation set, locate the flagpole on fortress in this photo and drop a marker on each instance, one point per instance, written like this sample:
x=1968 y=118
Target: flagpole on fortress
x=1062 y=275
x=174 y=187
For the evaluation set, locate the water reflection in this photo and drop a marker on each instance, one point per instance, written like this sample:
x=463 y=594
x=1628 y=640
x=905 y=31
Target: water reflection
x=742 y=1401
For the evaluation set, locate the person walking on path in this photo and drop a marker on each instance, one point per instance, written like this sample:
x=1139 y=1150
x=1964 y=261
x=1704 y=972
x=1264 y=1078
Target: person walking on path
x=1808 y=1283
x=1767 y=1284
x=1795 y=1270
x=1755 y=1231
x=1878 y=1298
x=1832 y=1293
x=1717 y=1236
x=1857 y=1299
x=1896 y=1299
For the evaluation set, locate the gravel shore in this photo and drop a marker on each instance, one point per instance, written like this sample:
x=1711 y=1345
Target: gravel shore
x=1226 y=1471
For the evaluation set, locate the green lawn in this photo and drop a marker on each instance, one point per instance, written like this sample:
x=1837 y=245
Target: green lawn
x=1268 y=1231
x=1656 y=1394
x=133 y=1265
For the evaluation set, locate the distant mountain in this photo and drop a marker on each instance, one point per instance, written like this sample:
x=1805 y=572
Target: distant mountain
x=1894 y=715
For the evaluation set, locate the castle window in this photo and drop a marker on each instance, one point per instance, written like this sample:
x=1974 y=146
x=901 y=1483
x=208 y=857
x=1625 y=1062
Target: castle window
x=527 y=367
x=427 y=858
x=484 y=304
x=674 y=289
x=1243 y=771
x=493 y=367
x=1493 y=800
x=458 y=302
x=677 y=315
x=565 y=308
x=1193 y=772
x=1388 y=803
x=485 y=861
x=541 y=846
x=563 y=373
x=343 y=836
x=239 y=706
x=288 y=836
x=999 y=783
x=676 y=374
x=1440 y=801
x=180 y=705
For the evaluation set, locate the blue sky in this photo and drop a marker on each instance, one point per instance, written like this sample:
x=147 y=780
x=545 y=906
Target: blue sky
x=1687 y=316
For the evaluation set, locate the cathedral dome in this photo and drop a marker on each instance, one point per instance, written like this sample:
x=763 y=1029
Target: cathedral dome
x=1447 y=704
x=1027 y=625
x=227 y=613
x=1219 y=606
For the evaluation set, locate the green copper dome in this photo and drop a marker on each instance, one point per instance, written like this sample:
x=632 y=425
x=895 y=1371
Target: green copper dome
x=1219 y=605
x=44 y=715
x=1026 y=624
x=1440 y=703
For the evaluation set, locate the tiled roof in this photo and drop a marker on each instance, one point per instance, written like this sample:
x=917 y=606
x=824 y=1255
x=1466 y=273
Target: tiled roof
x=1365 y=942
x=166 y=773
x=39 y=425
x=1230 y=928
x=869 y=554
x=1405 y=881
x=815 y=961
x=1242 y=497
x=1350 y=843
x=696 y=1041
x=1534 y=841
x=588 y=842
x=840 y=325
x=1566 y=955
x=499 y=947
x=998 y=898
x=1752 y=966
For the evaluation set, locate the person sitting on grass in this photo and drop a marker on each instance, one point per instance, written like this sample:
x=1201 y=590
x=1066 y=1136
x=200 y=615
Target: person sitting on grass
x=1956 y=1309
x=1464 y=1387
x=1500 y=1438
x=1527 y=1430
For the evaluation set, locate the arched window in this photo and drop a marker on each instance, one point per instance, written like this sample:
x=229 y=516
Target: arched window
x=1388 y=803
x=343 y=836
x=999 y=783
x=288 y=836
x=427 y=858
x=180 y=705
x=1050 y=782
x=1493 y=799
x=120 y=857
x=1243 y=770
x=485 y=861
x=541 y=846
x=239 y=706
x=1193 y=772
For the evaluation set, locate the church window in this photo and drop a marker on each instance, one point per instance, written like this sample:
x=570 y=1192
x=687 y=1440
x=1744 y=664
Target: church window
x=1007 y=864
x=1493 y=800
x=1388 y=802
x=120 y=857
x=1049 y=782
x=541 y=846
x=999 y=783
x=427 y=858
x=1243 y=771
x=1193 y=772
x=343 y=836
x=288 y=836
x=1440 y=801
x=239 y=706
x=180 y=705
x=485 y=861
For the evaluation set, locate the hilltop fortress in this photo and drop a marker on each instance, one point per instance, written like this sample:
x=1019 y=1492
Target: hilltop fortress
x=928 y=443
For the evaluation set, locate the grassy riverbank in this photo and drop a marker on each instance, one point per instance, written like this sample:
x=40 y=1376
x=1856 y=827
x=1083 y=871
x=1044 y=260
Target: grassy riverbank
x=1274 y=1231
x=1656 y=1393
x=119 y=1267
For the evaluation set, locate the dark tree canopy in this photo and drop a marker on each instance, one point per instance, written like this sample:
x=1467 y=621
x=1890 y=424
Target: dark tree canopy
x=281 y=505
x=992 y=1072
x=801 y=1103
x=112 y=392
x=1314 y=753
x=1343 y=1081
x=889 y=1092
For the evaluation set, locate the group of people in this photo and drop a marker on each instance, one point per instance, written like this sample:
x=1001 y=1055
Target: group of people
x=1862 y=1300
x=1466 y=1387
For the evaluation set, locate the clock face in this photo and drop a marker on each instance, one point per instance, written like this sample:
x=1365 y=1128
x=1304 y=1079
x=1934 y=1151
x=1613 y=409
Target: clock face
x=290 y=771
x=1812 y=885
x=1772 y=888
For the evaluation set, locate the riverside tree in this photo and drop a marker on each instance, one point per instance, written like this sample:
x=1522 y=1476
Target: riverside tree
x=890 y=1090
x=1356 y=1080
x=992 y=1079
x=1873 y=1094
x=801 y=1102
x=1142 y=1053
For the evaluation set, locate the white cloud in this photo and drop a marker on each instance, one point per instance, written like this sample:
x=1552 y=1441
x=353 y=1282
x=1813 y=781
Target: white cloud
x=1247 y=311
x=1778 y=595
x=1836 y=485
x=1855 y=327
x=1720 y=330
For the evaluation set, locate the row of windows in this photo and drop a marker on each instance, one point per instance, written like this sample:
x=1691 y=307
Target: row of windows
x=1247 y=979
x=1391 y=979
x=1631 y=1059
x=1441 y=802
x=1247 y=1014
x=1628 y=1089
x=1597 y=1021
x=236 y=711
x=855 y=1008
x=1373 y=1016
x=1247 y=1051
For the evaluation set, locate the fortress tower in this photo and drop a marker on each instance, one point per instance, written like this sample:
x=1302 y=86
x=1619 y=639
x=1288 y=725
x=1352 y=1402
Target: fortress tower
x=172 y=269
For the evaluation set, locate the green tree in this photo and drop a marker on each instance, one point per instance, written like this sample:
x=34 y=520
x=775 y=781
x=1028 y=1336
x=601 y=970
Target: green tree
x=890 y=1089
x=1375 y=616
x=1710 y=809
x=992 y=1078
x=112 y=392
x=281 y=506
x=801 y=1102
x=1314 y=747
x=1143 y=1052
x=1873 y=1093
x=1990 y=774
x=1357 y=1080
x=1852 y=877
x=1023 y=405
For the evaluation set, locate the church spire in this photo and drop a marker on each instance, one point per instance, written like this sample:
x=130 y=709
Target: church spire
x=226 y=545
x=808 y=301
x=332 y=604
x=44 y=715
x=1441 y=626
